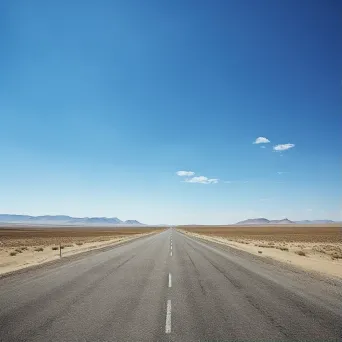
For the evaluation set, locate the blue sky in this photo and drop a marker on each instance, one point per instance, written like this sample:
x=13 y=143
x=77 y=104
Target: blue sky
x=102 y=103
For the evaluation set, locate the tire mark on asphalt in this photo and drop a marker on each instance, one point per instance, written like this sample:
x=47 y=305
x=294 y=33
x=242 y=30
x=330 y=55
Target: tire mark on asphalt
x=249 y=297
x=235 y=283
x=214 y=303
x=129 y=306
x=86 y=291
x=197 y=273
x=198 y=277
x=293 y=301
x=39 y=304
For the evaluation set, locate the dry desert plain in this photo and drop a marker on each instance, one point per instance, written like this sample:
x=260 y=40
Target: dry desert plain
x=315 y=248
x=21 y=246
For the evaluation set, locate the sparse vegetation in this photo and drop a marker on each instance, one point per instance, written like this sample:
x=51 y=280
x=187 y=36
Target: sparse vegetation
x=243 y=242
x=266 y=246
x=43 y=243
x=336 y=255
x=319 y=245
x=47 y=237
x=328 y=233
x=319 y=249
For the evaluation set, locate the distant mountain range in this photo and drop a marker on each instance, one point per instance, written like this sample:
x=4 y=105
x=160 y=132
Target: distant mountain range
x=261 y=221
x=65 y=220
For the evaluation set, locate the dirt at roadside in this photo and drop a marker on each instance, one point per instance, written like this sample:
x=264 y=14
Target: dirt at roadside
x=325 y=258
x=21 y=248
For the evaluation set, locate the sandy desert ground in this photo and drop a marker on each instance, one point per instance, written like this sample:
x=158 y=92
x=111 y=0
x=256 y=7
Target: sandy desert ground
x=27 y=246
x=312 y=247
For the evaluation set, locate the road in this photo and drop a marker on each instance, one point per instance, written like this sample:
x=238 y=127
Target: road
x=169 y=287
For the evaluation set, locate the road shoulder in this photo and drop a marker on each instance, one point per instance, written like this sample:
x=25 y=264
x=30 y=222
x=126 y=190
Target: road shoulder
x=73 y=255
x=316 y=268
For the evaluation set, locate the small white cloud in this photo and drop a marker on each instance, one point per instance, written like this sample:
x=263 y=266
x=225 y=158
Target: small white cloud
x=262 y=146
x=185 y=173
x=283 y=147
x=281 y=172
x=202 y=180
x=261 y=140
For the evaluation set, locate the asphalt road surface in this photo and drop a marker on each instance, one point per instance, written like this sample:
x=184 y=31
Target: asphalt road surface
x=169 y=287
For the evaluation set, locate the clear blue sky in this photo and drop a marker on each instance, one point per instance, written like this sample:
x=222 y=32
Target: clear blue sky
x=102 y=102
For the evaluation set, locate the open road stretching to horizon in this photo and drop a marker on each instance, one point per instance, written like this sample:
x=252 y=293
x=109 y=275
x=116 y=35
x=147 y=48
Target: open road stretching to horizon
x=169 y=287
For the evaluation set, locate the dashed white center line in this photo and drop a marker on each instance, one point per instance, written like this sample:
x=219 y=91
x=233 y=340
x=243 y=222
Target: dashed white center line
x=171 y=253
x=170 y=280
x=168 y=317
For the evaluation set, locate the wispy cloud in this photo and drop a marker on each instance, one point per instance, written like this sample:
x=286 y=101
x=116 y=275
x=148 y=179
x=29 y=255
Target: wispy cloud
x=261 y=140
x=262 y=146
x=283 y=147
x=202 y=180
x=197 y=179
x=282 y=172
x=185 y=173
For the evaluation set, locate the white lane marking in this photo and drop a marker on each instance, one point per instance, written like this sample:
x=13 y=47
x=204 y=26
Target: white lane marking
x=168 y=317
x=170 y=280
x=171 y=253
x=171 y=247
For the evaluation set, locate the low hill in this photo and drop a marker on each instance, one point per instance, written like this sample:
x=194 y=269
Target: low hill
x=65 y=220
x=133 y=222
x=254 y=221
x=315 y=221
x=263 y=221
x=284 y=221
